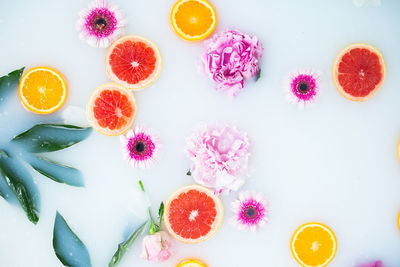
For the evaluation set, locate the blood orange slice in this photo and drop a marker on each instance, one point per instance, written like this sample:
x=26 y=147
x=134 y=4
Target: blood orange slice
x=111 y=109
x=193 y=214
x=359 y=72
x=133 y=62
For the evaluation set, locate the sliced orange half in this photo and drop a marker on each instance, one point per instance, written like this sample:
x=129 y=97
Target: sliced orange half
x=193 y=19
x=42 y=90
x=191 y=263
x=313 y=245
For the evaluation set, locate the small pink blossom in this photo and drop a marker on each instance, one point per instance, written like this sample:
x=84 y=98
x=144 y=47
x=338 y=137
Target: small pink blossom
x=232 y=57
x=220 y=157
x=250 y=211
x=372 y=264
x=157 y=247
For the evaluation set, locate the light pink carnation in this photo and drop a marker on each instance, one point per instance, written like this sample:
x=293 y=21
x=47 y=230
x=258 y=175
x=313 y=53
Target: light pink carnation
x=220 y=157
x=231 y=58
x=157 y=247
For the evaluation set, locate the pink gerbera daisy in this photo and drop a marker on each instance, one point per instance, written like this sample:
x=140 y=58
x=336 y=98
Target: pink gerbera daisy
x=250 y=211
x=100 y=23
x=140 y=147
x=302 y=87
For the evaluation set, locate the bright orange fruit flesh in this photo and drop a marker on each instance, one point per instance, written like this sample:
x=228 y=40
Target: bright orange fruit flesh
x=193 y=19
x=314 y=244
x=191 y=263
x=42 y=90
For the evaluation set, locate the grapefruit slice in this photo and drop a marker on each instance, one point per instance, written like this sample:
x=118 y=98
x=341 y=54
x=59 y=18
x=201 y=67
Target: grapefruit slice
x=193 y=214
x=133 y=62
x=313 y=245
x=111 y=109
x=359 y=72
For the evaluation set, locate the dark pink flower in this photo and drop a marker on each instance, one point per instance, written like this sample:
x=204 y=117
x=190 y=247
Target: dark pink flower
x=231 y=58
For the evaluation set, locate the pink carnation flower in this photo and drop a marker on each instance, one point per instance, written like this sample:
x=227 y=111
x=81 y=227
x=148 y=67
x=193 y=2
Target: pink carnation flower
x=157 y=247
x=372 y=264
x=220 y=157
x=231 y=58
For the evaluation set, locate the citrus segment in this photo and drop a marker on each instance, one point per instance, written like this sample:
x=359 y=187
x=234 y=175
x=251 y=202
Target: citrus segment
x=313 y=245
x=193 y=19
x=359 y=72
x=193 y=214
x=191 y=263
x=111 y=109
x=133 y=62
x=42 y=90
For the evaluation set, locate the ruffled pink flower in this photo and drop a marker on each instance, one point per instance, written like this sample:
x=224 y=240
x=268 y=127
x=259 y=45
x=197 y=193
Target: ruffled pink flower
x=157 y=247
x=220 y=157
x=232 y=57
x=372 y=264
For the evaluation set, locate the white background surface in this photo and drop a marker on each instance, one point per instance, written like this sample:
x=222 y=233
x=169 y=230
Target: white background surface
x=334 y=162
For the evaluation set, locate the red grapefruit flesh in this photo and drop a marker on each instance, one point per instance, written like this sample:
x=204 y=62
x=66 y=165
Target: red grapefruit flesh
x=111 y=109
x=359 y=72
x=193 y=214
x=133 y=62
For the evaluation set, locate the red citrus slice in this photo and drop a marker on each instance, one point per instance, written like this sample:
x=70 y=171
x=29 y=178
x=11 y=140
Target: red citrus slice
x=193 y=214
x=359 y=72
x=111 y=109
x=133 y=62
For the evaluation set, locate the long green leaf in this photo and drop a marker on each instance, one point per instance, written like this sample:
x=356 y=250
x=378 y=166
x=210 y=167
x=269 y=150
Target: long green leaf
x=125 y=245
x=9 y=82
x=69 y=249
x=56 y=171
x=51 y=137
x=11 y=172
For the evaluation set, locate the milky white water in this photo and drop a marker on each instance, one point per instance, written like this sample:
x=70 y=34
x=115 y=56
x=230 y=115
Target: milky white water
x=333 y=163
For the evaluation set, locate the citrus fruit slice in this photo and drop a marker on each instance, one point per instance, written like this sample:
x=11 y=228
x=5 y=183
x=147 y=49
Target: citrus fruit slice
x=111 y=109
x=42 y=90
x=313 y=244
x=193 y=19
x=398 y=220
x=359 y=72
x=133 y=62
x=191 y=263
x=193 y=214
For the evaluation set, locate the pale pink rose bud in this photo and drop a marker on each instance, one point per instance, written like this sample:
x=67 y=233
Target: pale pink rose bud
x=157 y=247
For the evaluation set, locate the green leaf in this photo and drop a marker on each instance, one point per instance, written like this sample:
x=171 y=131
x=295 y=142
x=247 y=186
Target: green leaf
x=141 y=185
x=51 y=137
x=12 y=172
x=161 y=213
x=56 y=171
x=9 y=82
x=69 y=249
x=258 y=75
x=189 y=173
x=125 y=245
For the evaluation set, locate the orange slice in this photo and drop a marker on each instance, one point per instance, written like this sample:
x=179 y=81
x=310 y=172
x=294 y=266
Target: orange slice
x=193 y=214
x=398 y=149
x=193 y=19
x=313 y=245
x=398 y=220
x=191 y=263
x=42 y=90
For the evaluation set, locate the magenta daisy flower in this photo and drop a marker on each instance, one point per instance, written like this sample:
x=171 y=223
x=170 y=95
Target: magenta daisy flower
x=100 y=23
x=302 y=87
x=251 y=211
x=140 y=147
